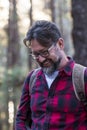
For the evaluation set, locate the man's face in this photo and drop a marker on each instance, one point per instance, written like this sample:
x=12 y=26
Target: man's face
x=48 y=58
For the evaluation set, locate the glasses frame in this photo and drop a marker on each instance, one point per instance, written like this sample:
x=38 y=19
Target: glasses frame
x=44 y=53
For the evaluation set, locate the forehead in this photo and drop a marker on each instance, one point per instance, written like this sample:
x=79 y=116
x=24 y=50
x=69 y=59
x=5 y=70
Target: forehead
x=36 y=46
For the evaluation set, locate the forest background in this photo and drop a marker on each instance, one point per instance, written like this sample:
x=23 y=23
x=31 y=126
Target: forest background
x=16 y=17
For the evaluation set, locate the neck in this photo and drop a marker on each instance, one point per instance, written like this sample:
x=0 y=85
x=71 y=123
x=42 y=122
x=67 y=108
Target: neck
x=63 y=63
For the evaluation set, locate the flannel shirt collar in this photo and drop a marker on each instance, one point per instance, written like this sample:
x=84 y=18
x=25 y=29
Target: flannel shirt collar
x=68 y=68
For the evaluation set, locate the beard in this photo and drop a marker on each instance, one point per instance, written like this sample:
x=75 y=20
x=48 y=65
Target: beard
x=51 y=69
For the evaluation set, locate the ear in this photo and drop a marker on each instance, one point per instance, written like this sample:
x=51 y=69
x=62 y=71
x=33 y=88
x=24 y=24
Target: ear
x=61 y=43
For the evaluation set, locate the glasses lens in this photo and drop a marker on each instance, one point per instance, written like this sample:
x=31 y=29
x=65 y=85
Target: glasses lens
x=45 y=53
x=34 y=56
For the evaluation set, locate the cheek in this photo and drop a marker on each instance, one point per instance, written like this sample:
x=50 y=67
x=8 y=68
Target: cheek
x=54 y=56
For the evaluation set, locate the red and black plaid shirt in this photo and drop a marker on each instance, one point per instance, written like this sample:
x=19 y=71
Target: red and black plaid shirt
x=54 y=108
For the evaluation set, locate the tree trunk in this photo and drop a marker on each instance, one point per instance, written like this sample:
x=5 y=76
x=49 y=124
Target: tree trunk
x=79 y=32
x=52 y=7
x=13 y=49
x=31 y=20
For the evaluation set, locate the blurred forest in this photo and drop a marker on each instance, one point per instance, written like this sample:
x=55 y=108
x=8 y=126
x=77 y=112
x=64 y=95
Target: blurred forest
x=16 y=16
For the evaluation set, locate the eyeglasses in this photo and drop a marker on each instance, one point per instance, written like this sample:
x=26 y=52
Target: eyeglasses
x=44 y=53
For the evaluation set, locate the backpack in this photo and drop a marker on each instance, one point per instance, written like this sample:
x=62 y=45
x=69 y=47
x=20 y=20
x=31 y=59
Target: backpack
x=77 y=79
x=78 y=83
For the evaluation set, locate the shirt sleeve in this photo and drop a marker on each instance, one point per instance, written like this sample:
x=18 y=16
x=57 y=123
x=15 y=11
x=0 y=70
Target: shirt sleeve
x=23 y=116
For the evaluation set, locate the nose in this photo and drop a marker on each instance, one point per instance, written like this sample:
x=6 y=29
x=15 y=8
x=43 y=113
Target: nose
x=41 y=58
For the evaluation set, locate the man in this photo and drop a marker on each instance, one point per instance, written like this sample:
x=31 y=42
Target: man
x=52 y=103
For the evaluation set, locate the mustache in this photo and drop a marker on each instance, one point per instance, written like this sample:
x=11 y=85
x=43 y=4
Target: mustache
x=55 y=64
x=42 y=63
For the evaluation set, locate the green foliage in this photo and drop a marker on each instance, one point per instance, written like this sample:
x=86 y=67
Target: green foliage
x=15 y=76
x=12 y=81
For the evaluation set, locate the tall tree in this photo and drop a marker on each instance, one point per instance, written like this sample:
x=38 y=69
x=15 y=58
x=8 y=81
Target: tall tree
x=13 y=50
x=13 y=53
x=31 y=21
x=79 y=32
x=52 y=7
x=32 y=63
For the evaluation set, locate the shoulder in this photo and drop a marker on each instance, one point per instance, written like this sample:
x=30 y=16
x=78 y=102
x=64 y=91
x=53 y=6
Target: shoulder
x=34 y=71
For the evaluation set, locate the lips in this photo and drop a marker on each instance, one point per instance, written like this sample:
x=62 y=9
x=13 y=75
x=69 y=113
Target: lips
x=46 y=64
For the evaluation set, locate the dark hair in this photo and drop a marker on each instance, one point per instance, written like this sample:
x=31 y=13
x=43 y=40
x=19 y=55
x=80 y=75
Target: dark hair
x=45 y=32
